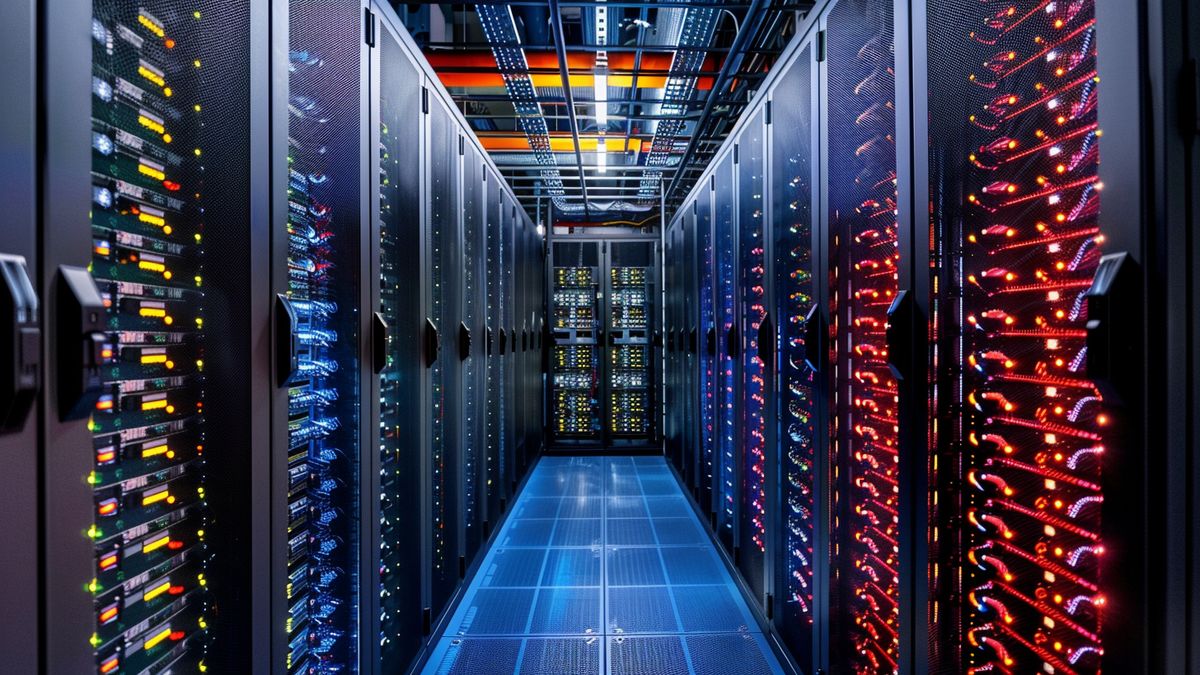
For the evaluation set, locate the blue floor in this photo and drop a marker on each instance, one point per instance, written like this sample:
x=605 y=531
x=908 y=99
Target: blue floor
x=602 y=567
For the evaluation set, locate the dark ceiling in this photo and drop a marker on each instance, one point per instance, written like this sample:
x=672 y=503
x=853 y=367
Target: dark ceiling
x=654 y=87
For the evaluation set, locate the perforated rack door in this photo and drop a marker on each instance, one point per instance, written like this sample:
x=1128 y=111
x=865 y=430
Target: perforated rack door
x=1015 y=244
x=861 y=239
x=397 y=83
x=801 y=482
x=168 y=174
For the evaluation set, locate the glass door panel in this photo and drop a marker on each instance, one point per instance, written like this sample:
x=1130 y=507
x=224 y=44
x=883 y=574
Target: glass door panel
x=576 y=332
x=631 y=353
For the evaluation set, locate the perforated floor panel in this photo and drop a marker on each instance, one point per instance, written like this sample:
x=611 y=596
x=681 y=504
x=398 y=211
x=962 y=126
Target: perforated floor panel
x=603 y=567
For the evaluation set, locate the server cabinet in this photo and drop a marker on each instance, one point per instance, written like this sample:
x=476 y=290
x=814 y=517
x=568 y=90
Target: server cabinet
x=1032 y=271
x=21 y=373
x=510 y=341
x=705 y=299
x=801 y=488
x=756 y=511
x=469 y=330
x=496 y=467
x=726 y=385
x=575 y=351
x=629 y=314
x=442 y=359
x=319 y=252
x=859 y=179
x=399 y=214
x=164 y=385
x=689 y=337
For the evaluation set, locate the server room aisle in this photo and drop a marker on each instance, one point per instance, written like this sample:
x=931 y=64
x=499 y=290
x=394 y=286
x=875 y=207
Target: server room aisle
x=602 y=567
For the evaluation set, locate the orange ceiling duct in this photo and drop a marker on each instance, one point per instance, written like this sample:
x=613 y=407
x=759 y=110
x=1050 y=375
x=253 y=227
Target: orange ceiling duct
x=653 y=73
x=558 y=143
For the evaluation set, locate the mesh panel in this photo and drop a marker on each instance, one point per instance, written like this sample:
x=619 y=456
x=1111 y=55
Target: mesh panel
x=496 y=612
x=646 y=656
x=693 y=566
x=513 y=567
x=714 y=654
x=554 y=657
x=577 y=532
x=629 y=532
x=469 y=657
x=634 y=567
x=566 y=611
x=572 y=567
x=534 y=532
x=708 y=608
x=641 y=610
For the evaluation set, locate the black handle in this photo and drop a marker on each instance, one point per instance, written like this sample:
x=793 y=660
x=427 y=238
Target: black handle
x=464 y=342
x=524 y=339
x=670 y=340
x=287 y=343
x=20 y=342
x=657 y=339
x=814 y=343
x=80 y=343
x=900 y=334
x=432 y=343
x=710 y=341
x=1114 y=339
x=488 y=337
x=379 y=342
x=692 y=340
x=766 y=342
x=733 y=342
x=503 y=341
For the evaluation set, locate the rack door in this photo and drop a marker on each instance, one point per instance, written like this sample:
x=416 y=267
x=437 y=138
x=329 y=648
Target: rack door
x=756 y=365
x=399 y=214
x=630 y=311
x=801 y=485
x=323 y=290
x=1021 y=466
x=441 y=326
x=705 y=298
x=727 y=346
x=860 y=180
x=164 y=394
x=576 y=334
x=469 y=340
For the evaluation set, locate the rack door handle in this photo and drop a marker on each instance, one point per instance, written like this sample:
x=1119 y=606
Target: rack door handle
x=710 y=341
x=766 y=342
x=80 y=343
x=1114 y=339
x=464 y=342
x=900 y=334
x=20 y=342
x=814 y=343
x=503 y=341
x=287 y=343
x=489 y=338
x=733 y=342
x=432 y=343
x=379 y=342
x=692 y=339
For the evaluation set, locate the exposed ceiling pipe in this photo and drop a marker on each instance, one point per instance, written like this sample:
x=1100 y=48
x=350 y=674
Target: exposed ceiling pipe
x=751 y=22
x=561 y=47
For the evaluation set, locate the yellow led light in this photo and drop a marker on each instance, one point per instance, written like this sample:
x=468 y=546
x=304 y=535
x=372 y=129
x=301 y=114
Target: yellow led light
x=151 y=75
x=155 y=451
x=151 y=124
x=147 y=170
x=151 y=25
x=159 y=496
x=156 y=544
x=152 y=219
x=159 y=637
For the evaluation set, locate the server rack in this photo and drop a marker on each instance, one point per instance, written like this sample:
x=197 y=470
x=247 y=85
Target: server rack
x=618 y=342
x=20 y=419
x=934 y=546
x=144 y=312
x=575 y=334
x=400 y=219
x=319 y=252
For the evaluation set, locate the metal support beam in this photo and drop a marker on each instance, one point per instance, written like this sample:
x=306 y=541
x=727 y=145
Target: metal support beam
x=750 y=24
x=561 y=47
